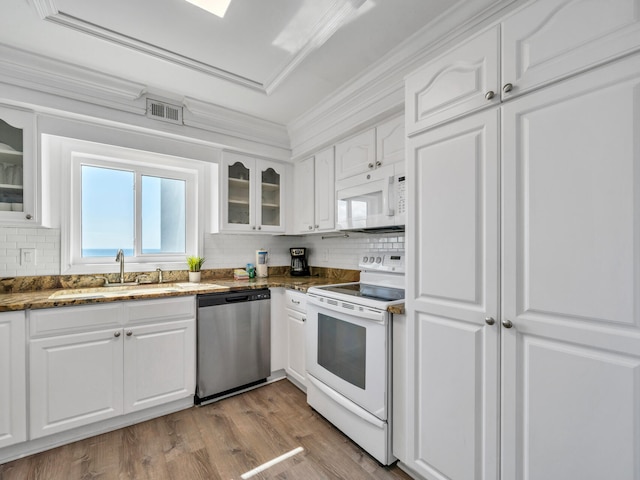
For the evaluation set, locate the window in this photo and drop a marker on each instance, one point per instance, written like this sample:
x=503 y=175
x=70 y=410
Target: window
x=143 y=203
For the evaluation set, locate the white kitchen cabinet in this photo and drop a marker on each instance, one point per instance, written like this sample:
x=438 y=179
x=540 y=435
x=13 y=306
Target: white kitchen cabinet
x=390 y=141
x=18 y=167
x=252 y=194
x=159 y=363
x=570 y=289
x=314 y=193
x=566 y=321
x=460 y=81
x=356 y=154
x=548 y=40
x=13 y=392
x=453 y=353
x=91 y=363
x=296 y=317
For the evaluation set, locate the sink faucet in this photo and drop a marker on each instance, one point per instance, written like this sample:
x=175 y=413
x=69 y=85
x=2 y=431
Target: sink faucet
x=159 y=275
x=120 y=258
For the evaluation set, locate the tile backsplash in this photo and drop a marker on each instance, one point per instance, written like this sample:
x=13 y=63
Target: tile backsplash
x=221 y=251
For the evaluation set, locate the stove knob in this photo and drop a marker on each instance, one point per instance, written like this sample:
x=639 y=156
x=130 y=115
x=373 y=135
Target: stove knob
x=364 y=259
x=371 y=259
x=378 y=259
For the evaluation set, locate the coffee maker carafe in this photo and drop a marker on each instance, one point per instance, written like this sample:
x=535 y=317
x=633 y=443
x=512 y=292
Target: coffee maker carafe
x=299 y=266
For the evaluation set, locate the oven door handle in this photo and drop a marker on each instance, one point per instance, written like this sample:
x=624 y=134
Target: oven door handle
x=343 y=402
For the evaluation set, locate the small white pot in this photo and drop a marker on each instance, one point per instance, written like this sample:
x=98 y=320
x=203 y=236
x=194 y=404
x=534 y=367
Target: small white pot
x=194 y=277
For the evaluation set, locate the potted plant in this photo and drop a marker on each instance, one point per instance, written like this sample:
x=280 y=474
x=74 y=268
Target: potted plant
x=195 y=264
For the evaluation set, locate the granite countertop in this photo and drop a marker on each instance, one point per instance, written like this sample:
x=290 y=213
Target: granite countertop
x=60 y=297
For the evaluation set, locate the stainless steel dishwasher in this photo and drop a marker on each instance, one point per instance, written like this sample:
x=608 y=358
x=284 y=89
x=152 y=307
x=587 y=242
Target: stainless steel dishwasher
x=234 y=342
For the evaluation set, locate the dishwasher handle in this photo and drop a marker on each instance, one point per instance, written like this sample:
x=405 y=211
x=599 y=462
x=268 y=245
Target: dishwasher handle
x=244 y=298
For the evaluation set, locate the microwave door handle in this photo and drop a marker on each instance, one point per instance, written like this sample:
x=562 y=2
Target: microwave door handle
x=390 y=197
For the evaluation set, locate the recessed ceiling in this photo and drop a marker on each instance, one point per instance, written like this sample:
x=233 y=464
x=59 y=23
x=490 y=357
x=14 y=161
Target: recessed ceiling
x=273 y=59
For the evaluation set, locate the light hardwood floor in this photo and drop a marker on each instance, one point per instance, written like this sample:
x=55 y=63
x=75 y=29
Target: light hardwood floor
x=222 y=441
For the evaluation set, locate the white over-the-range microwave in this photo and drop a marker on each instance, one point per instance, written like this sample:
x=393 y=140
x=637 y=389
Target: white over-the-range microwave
x=373 y=201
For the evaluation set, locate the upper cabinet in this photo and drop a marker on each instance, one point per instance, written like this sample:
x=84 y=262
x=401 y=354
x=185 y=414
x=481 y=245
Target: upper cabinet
x=17 y=167
x=314 y=193
x=252 y=194
x=537 y=47
x=460 y=81
x=356 y=154
x=540 y=43
x=370 y=149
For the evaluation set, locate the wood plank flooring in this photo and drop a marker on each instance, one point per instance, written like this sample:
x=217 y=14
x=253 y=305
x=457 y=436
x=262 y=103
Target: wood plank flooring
x=222 y=441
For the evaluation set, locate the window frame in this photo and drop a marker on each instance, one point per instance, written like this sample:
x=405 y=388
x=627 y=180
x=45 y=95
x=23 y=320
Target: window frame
x=142 y=163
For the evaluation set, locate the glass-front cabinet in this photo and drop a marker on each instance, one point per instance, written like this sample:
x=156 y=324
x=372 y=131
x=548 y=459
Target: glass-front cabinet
x=252 y=194
x=17 y=166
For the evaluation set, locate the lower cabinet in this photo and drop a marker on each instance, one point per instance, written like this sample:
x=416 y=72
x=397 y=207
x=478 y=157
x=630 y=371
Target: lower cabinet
x=137 y=355
x=296 y=317
x=13 y=416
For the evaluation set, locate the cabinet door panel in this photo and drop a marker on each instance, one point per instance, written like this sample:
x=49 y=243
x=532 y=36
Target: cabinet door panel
x=571 y=260
x=325 y=190
x=296 y=341
x=75 y=380
x=390 y=141
x=454 y=84
x=303 y=191
x=452 y=286
x=538 y=48
x=270 y=184
x=237 y=192
x=160 y=364
x=356 y=154
x=13 y=393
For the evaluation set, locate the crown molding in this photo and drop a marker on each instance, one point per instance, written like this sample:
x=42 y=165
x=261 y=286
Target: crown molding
x=37 y=72
x=337 y=15
x=380 y=89
x=209 y=116
x=340 y=11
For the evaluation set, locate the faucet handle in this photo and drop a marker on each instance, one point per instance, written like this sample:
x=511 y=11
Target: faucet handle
x=159 y=270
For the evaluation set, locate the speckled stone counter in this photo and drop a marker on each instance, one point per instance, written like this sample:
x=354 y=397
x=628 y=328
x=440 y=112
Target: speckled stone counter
x=22 y=293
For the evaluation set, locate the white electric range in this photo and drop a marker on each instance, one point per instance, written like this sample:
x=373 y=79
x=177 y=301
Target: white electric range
x=348 y=345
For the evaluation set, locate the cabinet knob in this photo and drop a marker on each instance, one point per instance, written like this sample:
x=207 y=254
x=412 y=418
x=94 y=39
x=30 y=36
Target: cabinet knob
x=507 y=88
x=489 y=320
x=253 y=227
x=371 y=165
x=378 y=163
x=129 y=333
x=116 y=334
x=259 y=227
x=317 y=226
x=29 y=216
x=489 y=95
x=507 y=323
x=310 y=227
x=297 y=302
x=304 y=319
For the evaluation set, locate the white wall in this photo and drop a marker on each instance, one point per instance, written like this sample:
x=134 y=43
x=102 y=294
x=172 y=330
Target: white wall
x=221 y=251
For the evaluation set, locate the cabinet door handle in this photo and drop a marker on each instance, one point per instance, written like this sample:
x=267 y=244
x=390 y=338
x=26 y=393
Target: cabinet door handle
x=116 y=334
x=489 y=95
x=371 y=165
x=253 y=227
x=304 y=319
x=29 y=216
x=489 y=320
x=507 y=323
x=129 y=333
x=259 y=227
x=297 y=302
x=378 y=163
x=507 y=88
x=317 y=226
x=310 y=227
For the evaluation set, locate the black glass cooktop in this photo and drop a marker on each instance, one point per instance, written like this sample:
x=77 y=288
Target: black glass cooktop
x=374 y=292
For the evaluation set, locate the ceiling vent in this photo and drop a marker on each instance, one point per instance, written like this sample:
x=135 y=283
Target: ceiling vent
x=164 y=112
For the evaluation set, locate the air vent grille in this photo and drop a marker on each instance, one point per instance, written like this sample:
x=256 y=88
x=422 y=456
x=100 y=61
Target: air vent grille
x=164 y=112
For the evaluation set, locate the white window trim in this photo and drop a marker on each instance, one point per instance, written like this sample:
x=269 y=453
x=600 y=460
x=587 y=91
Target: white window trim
x=75 y=153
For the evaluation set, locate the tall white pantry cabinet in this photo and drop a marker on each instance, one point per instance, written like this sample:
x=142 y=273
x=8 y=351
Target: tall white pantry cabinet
x=523 y=298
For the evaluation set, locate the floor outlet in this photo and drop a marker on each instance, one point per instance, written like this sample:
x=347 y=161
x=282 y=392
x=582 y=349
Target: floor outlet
x=27 y=256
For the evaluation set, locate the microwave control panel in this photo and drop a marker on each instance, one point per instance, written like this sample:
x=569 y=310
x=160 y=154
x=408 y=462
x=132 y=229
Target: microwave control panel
x=401 y=195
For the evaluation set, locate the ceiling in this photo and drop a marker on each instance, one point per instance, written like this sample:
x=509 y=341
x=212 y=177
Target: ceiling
x=274 y=59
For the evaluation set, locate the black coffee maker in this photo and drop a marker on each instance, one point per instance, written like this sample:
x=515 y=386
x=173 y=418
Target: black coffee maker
x=299 y=266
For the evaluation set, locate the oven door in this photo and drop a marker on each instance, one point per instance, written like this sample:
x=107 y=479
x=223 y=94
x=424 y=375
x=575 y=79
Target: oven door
x=346 y=349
